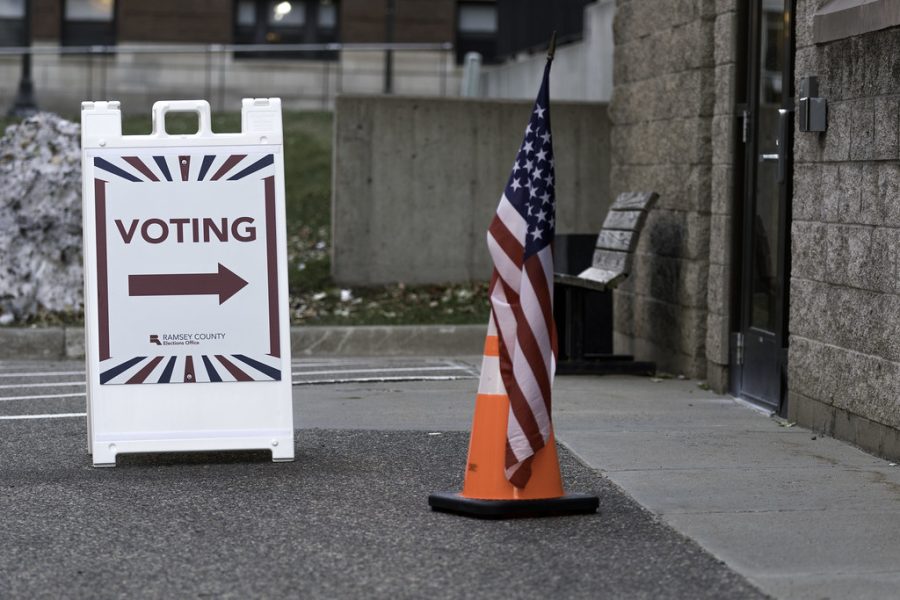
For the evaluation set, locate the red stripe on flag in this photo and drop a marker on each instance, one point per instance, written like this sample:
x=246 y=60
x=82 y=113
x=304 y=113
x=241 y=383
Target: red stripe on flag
x=531 y=351
x=507 y=241
x=523 y=473
x=528 y=343
x=538 y=278
x=522 y=411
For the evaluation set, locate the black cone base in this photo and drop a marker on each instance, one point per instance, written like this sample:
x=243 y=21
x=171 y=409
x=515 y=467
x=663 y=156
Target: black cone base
x=570 y=504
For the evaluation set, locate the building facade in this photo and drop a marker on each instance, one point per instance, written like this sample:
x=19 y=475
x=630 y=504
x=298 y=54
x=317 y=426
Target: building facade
x=770 y=130
x=770 y=265
x=239 y=21
x=136 y=51
x=582 y=65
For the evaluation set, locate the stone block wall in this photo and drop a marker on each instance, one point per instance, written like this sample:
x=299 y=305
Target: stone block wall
x=672 y=130
x=721 y=260
x=844 y=357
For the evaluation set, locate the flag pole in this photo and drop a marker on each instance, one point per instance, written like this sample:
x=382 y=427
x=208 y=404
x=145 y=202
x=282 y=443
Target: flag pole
x=552 y=48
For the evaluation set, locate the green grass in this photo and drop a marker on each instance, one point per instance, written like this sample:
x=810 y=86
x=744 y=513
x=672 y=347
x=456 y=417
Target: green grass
x=314 y=297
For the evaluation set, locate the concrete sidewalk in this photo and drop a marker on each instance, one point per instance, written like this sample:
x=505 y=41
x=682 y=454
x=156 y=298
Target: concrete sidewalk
x=799 y=515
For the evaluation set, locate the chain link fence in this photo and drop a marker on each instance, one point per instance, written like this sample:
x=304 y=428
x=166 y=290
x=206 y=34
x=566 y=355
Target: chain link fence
x=304 y=76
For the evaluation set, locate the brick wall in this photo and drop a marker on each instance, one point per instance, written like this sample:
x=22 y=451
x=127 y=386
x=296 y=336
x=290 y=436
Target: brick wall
x=212 y=21
x=184 y=21
x=670 y=111
x=417 y=21
x=844 y=360
x=180 y=21
x=46 y=18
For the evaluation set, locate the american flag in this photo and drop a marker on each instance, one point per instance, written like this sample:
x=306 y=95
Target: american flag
x=520 y=239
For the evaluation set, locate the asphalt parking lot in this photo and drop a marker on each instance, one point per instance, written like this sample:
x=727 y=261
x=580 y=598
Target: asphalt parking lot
x=348 y=518
x=43 y=389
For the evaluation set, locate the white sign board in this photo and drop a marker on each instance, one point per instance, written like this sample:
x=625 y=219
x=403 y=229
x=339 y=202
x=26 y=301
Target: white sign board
x=186 y=315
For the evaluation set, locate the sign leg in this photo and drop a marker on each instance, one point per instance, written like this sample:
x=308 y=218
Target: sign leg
x=104 y=455
x=283 y=450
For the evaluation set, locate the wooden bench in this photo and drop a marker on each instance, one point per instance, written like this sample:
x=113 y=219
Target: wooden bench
x=583 y=296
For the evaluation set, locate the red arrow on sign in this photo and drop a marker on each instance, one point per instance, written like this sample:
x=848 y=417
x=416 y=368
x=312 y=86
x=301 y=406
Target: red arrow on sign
x=224 y=283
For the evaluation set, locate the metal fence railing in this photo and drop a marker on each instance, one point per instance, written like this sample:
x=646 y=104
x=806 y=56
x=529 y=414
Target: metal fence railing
x=305 y=76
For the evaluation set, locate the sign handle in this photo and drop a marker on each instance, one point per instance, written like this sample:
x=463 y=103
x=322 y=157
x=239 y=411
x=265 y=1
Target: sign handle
x=161 y=108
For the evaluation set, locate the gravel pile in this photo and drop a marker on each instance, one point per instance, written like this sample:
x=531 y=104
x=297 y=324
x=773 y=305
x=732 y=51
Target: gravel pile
x=40 y=218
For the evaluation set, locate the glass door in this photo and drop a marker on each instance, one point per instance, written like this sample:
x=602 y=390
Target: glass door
x=767 y=123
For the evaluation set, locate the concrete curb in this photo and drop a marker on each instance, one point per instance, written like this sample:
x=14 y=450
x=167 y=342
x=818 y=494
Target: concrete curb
x=67 y=343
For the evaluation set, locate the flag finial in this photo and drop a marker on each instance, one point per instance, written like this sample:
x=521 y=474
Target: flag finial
x=552 y=48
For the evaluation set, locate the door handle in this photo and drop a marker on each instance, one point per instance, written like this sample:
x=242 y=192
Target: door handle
x=781 y=144
x=785 y=121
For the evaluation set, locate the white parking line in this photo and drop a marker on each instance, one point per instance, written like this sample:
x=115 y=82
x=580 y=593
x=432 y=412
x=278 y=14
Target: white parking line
x=12 y=386
x=381 y=370
x=320 y=363
x=455 y=371
x=50 y=416
x=44 y=397
x=41 y=373
x=380 y=379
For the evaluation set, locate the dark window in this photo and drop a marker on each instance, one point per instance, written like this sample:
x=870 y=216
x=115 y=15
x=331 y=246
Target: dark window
x=89 y=22
x=276 y=22
x=526 y=25
x=476 y=30
x=12 y=23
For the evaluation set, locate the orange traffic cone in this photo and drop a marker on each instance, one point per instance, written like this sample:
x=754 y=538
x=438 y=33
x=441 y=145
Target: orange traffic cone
x=487 y=493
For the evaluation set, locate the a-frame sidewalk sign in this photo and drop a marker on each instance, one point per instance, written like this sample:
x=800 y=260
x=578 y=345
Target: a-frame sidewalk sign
x=186 y=315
